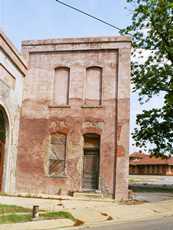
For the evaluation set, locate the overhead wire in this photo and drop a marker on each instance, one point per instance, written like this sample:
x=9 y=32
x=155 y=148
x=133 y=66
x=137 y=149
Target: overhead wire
x=89 y=15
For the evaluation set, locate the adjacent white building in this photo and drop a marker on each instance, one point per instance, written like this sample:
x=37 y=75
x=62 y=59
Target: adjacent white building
x=12 y=73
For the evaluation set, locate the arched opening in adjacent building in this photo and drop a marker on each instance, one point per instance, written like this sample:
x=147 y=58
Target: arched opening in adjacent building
x=4 y=126
x=91 y=162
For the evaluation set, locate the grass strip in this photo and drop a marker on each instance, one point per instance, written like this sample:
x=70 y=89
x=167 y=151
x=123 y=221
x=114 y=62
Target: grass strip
x=57 y=215
x=15 y=218
x=12 y=208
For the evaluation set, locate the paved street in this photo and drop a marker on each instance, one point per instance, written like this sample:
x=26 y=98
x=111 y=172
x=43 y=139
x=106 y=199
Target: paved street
x=151 y=179
x=153 y=197
x=96 y=212
x=164 y=223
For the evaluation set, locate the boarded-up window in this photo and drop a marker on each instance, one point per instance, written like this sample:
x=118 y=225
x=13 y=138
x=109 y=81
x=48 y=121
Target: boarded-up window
x=61 y=86
x=57 y=153
x=93 y=85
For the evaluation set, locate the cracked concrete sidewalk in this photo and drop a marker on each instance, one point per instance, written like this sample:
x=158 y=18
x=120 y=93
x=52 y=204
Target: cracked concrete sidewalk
x=90 y=211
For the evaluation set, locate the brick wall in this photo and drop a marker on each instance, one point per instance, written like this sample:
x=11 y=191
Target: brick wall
x=103 y=111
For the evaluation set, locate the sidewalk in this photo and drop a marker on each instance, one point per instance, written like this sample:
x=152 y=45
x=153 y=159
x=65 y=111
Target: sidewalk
x=90 y=211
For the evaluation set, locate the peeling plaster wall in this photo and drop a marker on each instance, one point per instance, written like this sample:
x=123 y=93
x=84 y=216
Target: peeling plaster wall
x=11 y=89
x=41 y=117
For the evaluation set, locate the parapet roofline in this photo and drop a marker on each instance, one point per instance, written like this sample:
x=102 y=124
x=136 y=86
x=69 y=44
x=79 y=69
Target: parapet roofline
x=82 y=40
x=10 y=50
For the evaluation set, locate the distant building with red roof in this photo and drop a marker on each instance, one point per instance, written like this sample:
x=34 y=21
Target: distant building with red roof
x=143 y=164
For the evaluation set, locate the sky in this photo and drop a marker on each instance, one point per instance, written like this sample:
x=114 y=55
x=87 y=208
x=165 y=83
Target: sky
x=41 y=19
x=37 y=19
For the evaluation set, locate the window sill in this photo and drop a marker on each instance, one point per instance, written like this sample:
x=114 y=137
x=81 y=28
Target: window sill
x=59 y=106
x=58 y=177
x=92 y=106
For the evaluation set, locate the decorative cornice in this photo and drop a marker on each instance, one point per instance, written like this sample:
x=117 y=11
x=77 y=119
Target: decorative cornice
x=8 y=48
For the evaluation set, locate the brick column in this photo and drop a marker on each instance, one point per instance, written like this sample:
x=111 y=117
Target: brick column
x=122 y=121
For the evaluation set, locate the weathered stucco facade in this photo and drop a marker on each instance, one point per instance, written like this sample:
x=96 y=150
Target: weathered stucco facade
x=12 y=72
x=74 y=128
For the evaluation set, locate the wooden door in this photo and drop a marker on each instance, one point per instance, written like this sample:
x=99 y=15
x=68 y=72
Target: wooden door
x=91 y=170
x=2 y=145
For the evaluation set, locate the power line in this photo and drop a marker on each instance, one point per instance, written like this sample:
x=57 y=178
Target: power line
x=89 y=15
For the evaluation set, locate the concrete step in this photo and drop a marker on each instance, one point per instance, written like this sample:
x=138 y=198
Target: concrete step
x=93 y=195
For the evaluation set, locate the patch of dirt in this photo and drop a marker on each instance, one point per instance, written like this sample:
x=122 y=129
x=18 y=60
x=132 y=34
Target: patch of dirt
x=104 y=214
x=60 y=204
x=78 y=223
x=109 y=218
x=132 y=202
x=155 y=211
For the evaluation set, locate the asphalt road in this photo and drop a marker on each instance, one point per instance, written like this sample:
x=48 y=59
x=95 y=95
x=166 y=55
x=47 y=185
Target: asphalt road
x=151 y=179
x=164 y=223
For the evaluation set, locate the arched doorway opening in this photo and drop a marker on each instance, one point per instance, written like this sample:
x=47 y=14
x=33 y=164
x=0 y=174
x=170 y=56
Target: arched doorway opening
x=91 y=161
x=3 y=140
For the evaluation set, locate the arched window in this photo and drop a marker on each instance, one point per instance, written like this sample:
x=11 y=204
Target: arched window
x=91 y=141
x=57 y=154
x=93 y=85
x=61 y=86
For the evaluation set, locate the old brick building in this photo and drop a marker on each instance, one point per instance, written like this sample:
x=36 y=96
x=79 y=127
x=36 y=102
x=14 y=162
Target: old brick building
x=144 y=164
x=75 y=116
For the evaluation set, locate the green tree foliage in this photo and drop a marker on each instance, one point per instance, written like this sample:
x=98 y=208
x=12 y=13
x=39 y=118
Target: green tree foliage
x=152 y=29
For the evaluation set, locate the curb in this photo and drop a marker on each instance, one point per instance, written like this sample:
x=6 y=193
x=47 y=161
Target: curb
x=114 y=222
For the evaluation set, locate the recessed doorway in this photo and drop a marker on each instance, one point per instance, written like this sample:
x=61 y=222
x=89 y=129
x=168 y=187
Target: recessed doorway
x=91 y=160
